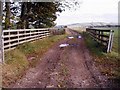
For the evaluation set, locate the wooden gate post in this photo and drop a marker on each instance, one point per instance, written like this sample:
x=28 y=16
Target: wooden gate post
x=1 y=34
x=1 y=44
x=102 y=37
x=112 y=35
x=110 y=42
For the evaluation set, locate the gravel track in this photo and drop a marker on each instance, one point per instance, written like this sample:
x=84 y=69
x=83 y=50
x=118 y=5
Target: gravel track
x=69 y=67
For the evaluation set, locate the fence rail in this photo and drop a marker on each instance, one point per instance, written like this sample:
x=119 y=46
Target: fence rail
x=105 y=37
x=12 y=38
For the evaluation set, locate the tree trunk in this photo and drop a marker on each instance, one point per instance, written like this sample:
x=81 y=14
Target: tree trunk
x=7 y=18
x=24 y=15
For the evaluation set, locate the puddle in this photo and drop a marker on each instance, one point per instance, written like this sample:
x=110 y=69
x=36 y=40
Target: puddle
x=79 y=37
x=74 y=45
x=63 y=45
x=70 y=37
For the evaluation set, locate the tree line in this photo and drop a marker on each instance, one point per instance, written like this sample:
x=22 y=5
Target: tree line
x=25 y=15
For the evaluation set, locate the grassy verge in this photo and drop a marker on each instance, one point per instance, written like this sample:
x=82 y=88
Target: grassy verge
x=108 y=63
x=25 y=56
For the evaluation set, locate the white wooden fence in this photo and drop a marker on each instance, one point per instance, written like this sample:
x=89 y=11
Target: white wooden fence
x=105 y=37
x=12 y=38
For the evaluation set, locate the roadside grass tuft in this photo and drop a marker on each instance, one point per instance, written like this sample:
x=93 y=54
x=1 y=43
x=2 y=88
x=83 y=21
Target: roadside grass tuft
x=15 y=63
x=25 y=56
x=93 y=45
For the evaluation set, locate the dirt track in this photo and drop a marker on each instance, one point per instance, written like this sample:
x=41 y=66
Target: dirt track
x=70 y=67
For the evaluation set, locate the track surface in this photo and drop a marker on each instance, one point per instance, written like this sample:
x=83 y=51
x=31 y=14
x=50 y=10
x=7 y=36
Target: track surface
x=70 y=67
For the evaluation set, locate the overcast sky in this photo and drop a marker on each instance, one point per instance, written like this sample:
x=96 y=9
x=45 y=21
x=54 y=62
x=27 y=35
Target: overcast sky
x=91 y=11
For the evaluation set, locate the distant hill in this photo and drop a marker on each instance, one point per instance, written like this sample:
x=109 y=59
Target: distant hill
x=59 y=26
x=91 y=24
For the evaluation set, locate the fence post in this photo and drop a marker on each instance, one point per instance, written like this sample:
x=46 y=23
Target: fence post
x=102 y=37
x=1 y=34
x=18 y=36
x=48 y=32
x=95 y=33
x=110 y=41
x=30 y=34
x=44 y=34
x=9 y=39
x=112 y=35
x=99 y=36
x=1 y=43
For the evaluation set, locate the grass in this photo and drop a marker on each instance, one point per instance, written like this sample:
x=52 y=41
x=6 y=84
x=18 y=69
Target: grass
x=115 y=41
x=25 y=56
x=108 y=63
